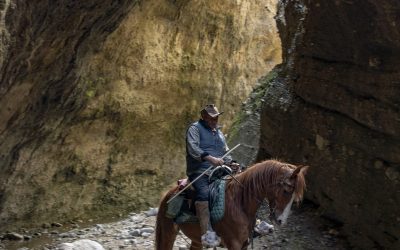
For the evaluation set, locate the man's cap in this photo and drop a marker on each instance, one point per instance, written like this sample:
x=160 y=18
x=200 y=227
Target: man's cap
x=211 y=110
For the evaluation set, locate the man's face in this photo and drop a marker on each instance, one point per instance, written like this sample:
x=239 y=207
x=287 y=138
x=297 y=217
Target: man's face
x=212 y=122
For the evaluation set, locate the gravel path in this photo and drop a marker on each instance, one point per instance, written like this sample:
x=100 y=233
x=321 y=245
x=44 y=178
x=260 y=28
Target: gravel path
x=304 y=230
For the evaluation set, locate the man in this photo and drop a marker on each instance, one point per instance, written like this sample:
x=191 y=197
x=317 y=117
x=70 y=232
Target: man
x=205 y=145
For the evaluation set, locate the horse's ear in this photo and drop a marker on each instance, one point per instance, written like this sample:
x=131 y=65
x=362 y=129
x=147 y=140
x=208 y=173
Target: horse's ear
x=301 y=168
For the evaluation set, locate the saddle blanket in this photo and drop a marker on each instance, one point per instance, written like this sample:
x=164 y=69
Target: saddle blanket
x=181 y=210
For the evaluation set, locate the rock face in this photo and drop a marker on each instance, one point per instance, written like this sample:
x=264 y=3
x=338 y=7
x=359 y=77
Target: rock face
x=95 y=96
x=246 y=125
x=335 y=106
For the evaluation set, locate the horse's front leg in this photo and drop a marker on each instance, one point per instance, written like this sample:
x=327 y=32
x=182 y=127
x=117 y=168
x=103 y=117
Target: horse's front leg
x=246 y=244
x=195 y=245
x=234 y=237
x=235 y=245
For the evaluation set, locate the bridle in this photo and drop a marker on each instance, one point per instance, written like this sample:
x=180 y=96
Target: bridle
x=272 y=204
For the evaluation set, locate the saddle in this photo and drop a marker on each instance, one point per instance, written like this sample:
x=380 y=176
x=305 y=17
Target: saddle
x=182 y=208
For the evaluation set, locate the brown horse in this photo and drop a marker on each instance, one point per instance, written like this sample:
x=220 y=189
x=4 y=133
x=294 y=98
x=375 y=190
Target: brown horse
x=280 y=183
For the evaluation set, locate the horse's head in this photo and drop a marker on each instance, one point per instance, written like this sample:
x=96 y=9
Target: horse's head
x=290 y=187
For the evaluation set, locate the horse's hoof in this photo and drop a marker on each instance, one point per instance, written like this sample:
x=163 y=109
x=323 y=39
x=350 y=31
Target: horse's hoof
x=210 y=239
x=264 y=228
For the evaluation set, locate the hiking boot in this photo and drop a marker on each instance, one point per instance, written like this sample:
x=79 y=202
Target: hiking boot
x=208 y=237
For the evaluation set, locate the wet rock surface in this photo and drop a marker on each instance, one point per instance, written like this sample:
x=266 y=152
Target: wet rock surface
x=305 y=229
x=333 y=107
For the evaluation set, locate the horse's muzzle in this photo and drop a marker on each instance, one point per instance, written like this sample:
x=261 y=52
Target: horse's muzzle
x=274 y=219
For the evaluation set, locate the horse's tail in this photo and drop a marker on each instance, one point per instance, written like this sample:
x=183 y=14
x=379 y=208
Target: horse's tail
x=166 y=229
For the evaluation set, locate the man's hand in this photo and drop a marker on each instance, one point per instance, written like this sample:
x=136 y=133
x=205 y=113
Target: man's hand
x=214 y=160
x=235 y=167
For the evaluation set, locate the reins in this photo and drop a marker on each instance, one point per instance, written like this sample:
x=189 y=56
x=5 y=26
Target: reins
x=251 y=232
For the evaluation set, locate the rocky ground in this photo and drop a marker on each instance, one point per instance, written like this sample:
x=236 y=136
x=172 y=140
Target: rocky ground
x=305 y=230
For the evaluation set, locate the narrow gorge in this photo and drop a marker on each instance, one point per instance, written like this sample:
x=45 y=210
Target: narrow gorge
x=95 y=97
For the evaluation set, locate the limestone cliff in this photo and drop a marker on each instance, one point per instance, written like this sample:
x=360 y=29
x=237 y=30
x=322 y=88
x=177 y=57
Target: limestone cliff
x=95 y=96
x=335 y=106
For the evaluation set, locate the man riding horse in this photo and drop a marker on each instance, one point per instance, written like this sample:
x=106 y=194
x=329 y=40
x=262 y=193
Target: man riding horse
x=205 y=145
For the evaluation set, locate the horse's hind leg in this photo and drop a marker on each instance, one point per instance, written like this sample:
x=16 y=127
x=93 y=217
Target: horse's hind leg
x=192 y=231
x=166 y=232
x=166 y=229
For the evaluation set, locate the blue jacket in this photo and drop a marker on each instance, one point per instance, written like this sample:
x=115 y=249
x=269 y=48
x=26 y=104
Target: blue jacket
x=201 y=141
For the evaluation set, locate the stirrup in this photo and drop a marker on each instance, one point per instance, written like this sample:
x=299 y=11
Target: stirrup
x=210 y=239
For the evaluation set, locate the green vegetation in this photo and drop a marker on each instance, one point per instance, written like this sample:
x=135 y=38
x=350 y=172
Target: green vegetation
x=259 y=92
x=237 y=120
x=90 y=86
x=253 y=103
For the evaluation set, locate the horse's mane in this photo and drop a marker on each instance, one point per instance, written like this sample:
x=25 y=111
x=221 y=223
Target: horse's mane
x=261 y=177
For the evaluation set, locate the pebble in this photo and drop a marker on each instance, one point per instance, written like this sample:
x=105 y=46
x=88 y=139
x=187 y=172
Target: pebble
x=13 y=236
x=151 y=212
x=27 y=237
x=333 y=232
x=147 y=230
x=135 y=232
x=55 y=224
x=81 y=244
x=145 y=235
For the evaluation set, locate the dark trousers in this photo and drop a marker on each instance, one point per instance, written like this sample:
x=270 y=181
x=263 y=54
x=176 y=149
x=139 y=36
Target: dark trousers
x=201 y=187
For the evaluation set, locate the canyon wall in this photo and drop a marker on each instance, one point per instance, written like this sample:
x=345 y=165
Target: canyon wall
x=334 y=105
x=95 y=96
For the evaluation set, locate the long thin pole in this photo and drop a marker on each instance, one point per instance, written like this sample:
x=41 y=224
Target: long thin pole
x=198 y=177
